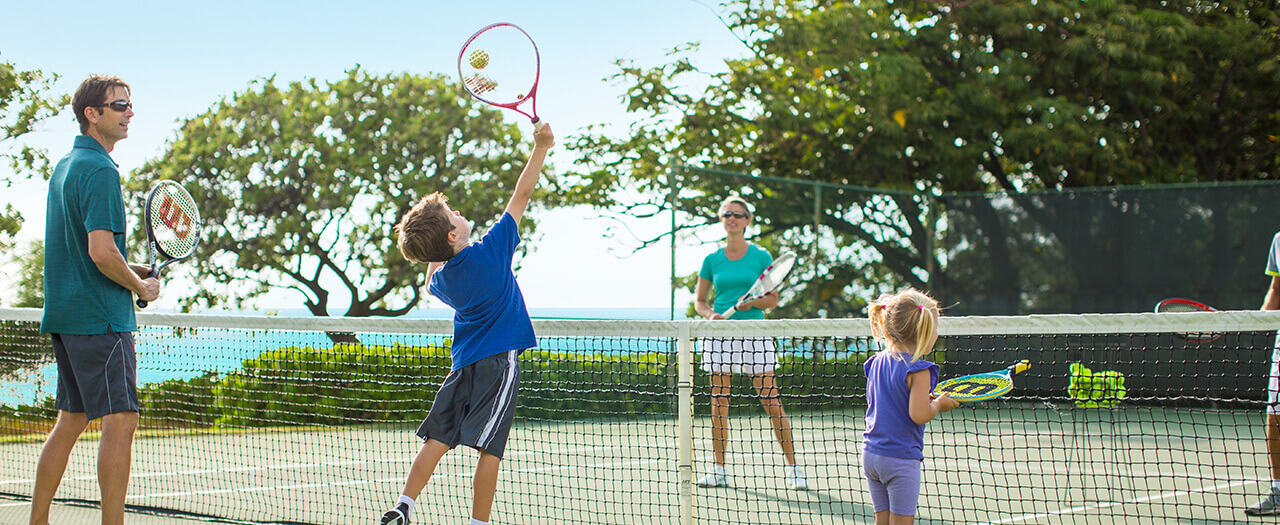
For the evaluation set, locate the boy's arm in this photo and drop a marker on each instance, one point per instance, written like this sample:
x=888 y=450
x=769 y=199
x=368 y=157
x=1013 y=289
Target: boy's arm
x=431 y=270
x=543 y=139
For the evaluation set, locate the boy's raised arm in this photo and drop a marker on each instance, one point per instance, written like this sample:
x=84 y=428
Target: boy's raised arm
x=543 y=139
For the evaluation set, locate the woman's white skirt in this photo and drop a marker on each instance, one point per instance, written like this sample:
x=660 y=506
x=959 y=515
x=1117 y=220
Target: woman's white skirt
x=739 y=356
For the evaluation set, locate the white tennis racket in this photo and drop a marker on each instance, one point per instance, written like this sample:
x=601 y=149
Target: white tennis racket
x=769 y=280
x=173 y=226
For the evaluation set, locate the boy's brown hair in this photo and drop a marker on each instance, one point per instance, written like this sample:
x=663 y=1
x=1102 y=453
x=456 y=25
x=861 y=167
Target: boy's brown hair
x=424 y=231
x=92 y=93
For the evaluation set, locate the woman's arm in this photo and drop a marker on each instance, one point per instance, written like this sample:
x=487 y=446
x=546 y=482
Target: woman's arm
x=701 y=305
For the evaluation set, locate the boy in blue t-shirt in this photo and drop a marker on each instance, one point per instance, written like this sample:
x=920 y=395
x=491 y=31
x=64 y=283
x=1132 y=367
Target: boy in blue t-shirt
x=491 y=326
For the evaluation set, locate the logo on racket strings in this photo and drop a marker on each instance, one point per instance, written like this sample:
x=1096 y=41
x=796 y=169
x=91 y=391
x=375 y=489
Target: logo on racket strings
x=971 y=388
x=173 y=217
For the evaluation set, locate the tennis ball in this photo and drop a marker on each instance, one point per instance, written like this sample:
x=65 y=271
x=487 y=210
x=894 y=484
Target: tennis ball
x=479 y=59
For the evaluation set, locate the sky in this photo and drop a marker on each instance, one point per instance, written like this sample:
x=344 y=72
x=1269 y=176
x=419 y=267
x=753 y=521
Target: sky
x=180 y=58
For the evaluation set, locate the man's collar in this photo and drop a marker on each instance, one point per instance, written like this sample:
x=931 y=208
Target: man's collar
x=87 y=142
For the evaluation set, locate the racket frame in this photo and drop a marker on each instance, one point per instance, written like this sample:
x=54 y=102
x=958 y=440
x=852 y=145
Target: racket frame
x=1191 y=306
x=788 y=258
x=532 y=97
x=1005 y=374
x=153 y=247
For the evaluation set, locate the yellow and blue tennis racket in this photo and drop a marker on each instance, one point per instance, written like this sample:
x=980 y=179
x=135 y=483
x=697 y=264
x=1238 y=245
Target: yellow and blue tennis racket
x=981 y=387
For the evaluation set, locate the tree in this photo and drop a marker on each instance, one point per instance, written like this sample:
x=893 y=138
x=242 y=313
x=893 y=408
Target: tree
x=918 y=99
x=300 y=185
x=30 y=275
x=25 y=101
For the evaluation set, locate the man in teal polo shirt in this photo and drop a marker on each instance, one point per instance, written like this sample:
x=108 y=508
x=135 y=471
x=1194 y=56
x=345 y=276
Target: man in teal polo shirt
x=88 y=301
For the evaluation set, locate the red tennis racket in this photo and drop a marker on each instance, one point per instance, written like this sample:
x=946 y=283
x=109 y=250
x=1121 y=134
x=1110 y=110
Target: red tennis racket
x=500 y=66
x=1180 y=305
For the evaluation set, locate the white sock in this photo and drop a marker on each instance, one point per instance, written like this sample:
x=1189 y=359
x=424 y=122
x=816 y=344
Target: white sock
x=1275 y=484
x=407 y=501
x=477 y=522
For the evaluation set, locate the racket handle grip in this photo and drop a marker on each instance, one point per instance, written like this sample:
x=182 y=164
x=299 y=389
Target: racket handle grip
x=538 y=124
x=155 y=272
x=729 y=313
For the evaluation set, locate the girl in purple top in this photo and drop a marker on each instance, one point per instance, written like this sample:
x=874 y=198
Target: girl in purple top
x=899 y=384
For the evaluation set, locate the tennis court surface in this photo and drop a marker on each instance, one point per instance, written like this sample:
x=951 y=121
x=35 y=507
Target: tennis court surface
x=264 y=420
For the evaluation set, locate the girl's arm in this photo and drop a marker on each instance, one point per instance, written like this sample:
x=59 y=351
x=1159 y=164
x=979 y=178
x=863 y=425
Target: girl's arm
x=922 y=408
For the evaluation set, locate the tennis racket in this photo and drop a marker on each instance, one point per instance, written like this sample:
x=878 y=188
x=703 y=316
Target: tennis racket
x=981 y=387
x=173 y=226
x=769 y=280
x=1179 y=305
x=500 y=66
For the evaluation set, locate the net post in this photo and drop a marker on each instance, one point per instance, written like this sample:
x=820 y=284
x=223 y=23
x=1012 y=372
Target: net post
x=684 y=386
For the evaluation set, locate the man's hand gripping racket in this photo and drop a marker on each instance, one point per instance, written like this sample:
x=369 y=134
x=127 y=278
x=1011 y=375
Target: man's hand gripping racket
x=981 y=387
x=173 y=226
x=769 y=281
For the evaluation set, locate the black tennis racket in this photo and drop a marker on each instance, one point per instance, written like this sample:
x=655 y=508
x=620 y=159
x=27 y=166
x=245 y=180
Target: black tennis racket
x=173 y=226
x=1175 y=305
x=771 y=279
x=500 y=66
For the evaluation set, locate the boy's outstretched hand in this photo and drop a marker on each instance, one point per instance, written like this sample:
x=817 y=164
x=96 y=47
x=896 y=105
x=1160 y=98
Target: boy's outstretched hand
x=543 y=137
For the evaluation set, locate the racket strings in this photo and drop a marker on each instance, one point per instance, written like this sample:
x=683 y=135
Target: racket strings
x=174 y=221
x=975 y=387
x=499 y=65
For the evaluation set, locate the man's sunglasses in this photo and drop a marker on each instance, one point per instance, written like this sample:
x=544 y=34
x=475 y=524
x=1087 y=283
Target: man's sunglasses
x=733 y=214
x=119 y=105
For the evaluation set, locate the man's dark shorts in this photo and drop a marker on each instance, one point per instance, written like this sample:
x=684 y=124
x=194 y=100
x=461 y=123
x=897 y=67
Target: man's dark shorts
x=97 y=374
x=476 y=404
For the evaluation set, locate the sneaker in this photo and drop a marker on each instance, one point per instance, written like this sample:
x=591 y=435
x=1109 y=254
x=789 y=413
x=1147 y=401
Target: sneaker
x=398 y=515
x=1269 y=506
x=716 y=476
x=796 y=479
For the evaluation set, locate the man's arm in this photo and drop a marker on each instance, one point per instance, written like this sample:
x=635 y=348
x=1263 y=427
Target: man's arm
x=1272 y=300
x=102 y=249
x=543 y=139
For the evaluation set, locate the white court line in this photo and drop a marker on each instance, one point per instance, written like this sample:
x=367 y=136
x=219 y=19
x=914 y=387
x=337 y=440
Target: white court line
x=1086 y=508
x=383 y=480
x=301 y=466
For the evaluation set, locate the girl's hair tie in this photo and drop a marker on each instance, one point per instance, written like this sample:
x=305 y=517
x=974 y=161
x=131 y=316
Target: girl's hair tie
x=920 y=306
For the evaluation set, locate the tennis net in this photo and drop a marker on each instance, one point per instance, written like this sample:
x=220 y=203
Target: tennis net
x=1121 y=418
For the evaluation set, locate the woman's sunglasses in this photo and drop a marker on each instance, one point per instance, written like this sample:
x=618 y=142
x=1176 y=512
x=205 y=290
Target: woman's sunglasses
x=733 y=214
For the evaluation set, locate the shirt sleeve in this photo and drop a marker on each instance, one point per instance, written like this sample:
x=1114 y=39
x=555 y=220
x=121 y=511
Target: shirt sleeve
x=103 y=202
x=925 y=365
x=504 y=236
x=1273 y=265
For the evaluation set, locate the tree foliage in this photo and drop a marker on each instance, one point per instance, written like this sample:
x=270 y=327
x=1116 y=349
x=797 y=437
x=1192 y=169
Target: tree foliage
x=30 y=289
x=25 y=101
x=918 y=99
x=300 y=185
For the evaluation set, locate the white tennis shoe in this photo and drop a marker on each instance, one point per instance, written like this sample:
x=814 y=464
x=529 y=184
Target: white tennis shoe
x=796 y=479
x=716 y=476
